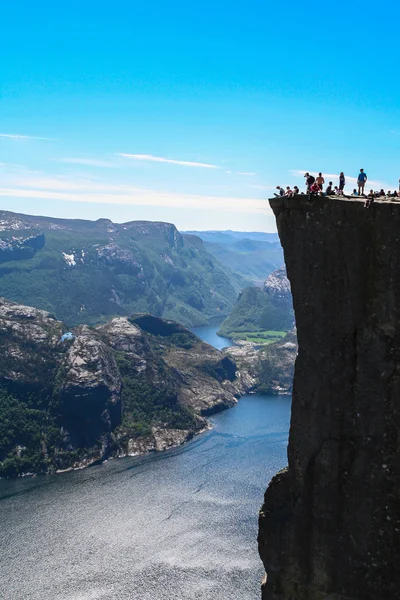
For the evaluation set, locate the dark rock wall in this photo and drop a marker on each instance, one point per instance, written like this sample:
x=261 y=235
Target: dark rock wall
x=330 y=524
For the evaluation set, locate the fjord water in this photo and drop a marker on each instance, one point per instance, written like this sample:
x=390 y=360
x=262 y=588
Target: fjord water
x=208 y=334
x=179 y=525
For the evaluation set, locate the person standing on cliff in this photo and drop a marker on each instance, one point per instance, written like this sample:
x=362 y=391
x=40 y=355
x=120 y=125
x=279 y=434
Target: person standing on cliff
x=309 y=180
x=361 y=181
x=320 y=181
x=342 y=181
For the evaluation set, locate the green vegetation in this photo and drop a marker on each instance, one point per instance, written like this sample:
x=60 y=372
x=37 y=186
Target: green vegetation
x=258 y=312
x=149 y=402
x=261 y=337
x=88 y=272
x=252 y=256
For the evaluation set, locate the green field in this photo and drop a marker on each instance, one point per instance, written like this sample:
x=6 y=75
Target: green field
x=260 y=337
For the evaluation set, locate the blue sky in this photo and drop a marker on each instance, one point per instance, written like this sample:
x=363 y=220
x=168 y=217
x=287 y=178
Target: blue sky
x=192 y=112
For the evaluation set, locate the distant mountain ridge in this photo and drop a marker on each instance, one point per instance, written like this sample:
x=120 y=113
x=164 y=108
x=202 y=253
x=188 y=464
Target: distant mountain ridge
x=252 y=255
x=88 y=271
x=228 y=236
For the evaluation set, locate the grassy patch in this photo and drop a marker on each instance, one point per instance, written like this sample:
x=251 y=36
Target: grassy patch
x=260 y=337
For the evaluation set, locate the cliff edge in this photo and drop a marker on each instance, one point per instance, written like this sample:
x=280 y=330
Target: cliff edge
x=329 y=527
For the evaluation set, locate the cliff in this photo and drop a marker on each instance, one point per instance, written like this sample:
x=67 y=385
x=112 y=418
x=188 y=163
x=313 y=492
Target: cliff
x=329 y=527
x=129 y=386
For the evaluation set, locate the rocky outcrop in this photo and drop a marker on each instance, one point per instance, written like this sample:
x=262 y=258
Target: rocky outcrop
x=127 y=387
x=20 y=248
x=330 y=523
x=266 y=369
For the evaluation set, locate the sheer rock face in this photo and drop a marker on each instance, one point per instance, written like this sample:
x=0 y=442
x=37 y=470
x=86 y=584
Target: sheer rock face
x=330 y=524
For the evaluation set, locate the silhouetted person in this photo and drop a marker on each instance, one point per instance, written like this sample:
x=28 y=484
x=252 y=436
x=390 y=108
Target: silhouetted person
x=281 y=191
x=370 y=199
x=320 y=181
x=342 y=181
x=309 y=181
x=329 y=190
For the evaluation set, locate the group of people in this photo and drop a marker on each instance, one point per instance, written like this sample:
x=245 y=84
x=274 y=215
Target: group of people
x=315 y=187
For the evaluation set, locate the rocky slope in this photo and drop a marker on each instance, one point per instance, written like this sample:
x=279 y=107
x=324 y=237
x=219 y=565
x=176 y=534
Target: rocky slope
x=330 y=523
x=262 y=309
x=89 y=271
x=126 y=387
x=266 y=369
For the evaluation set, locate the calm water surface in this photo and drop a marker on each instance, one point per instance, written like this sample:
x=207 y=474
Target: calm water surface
x=181 y=525
x=209 y=335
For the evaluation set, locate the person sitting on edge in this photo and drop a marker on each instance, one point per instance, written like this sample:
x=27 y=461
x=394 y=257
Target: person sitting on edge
x=309 y=181
x=342 y=181
x=337 y=191
x=382 y=192
x=361 y=181
x=355 y=193
x=320 y=181
x=289 y=192
x=314 y=189
x=296 y=190
x=329 y=190
x=370 y=199
x=281 y=191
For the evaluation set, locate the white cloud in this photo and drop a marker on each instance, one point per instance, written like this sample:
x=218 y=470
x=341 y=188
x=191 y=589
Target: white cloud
x=54 y=188
x=91 y=162
x=16 y=136
x=244 y=173
x=184 y=163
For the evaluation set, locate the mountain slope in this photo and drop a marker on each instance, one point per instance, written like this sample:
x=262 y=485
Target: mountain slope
x=126 y=387
x=86 y=272
x=257 y=310
x=250 y=255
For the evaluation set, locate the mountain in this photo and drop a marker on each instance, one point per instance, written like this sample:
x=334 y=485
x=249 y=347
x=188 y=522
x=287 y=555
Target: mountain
x=88 y=271
x=70 y=399
x=228 y=236
x=250 y=255
x=262 y=313
x=268 y=369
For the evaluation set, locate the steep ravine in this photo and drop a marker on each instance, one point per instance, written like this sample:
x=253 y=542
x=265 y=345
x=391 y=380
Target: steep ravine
x=330 y=523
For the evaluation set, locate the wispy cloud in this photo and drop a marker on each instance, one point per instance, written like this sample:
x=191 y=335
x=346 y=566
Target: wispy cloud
x=244 y=173
x=17 y=136
x=159 y=159
x=71 y=190
x=90 y=162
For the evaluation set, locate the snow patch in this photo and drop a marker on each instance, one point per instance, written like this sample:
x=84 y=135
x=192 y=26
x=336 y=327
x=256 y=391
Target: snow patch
x=69 y=259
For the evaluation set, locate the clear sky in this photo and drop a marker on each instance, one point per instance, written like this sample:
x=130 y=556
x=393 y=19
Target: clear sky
x=192 y=112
